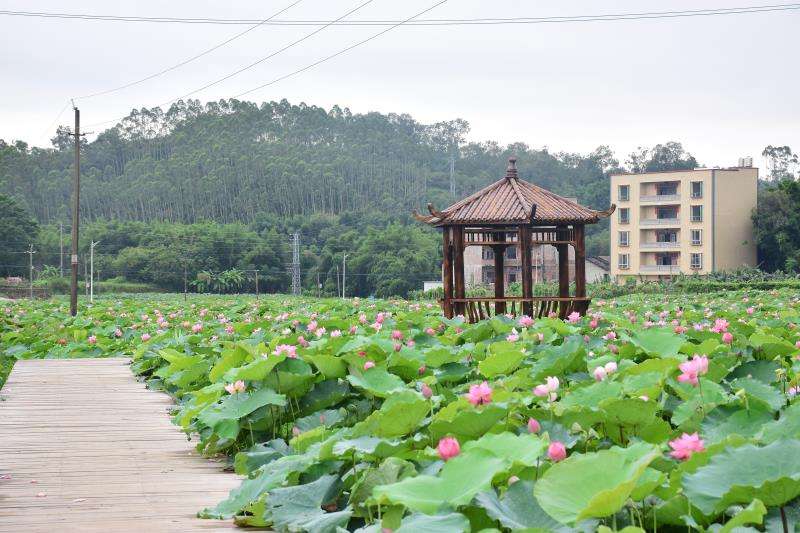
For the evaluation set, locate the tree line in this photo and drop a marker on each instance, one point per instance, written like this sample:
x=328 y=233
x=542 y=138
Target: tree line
x=221 y=186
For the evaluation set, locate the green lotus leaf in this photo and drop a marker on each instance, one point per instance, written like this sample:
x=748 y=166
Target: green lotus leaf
x=739 y=475
x=593 y=485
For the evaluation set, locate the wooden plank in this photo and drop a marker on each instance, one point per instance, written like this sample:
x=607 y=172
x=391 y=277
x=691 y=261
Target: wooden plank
x=88 y=448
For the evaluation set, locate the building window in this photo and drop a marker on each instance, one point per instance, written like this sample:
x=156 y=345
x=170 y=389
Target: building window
x=624 y=238
x=511 y=252
x=623 y=262
x=697 y=213
x=624 y=215
x=697 y=261
x=697 y=189
x=512 y=277
x=697 y=237
x=667 y=189
x=624 y=193
x=488 y=253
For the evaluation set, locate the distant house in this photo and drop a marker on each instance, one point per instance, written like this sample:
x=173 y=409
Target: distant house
x=683 y=222
x=597 y=269
x=431 y=285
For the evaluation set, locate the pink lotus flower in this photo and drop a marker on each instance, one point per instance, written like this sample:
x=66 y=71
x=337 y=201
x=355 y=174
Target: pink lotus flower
x=397 y=347
x=92 y=339
x=534 y=426
x=397 y=335
x=427 y=392
x=727 y=337
x=287 y=349
x=610 y=336
x=312 y=326
x=421 y=370
x=233 y=388
x=368 y=365
x=792 y=392
x=547 y=389
x=480 y=394
x=430 y=331
x=680 y=329
x=557 y=451
x=353 y=330
x=691 y=370
x=751 y=310
x=229 y=329
x=362 y=318
x=684 y=446
x=336 y=333
x=593 y=324
x=145 y=337
x=448 y=448
x=513 y=336
x=720 y=325
x=197 y=328
x=118 y=333
x=600 y=373
x=525 y=321
x=573 y=317
x=540 y=336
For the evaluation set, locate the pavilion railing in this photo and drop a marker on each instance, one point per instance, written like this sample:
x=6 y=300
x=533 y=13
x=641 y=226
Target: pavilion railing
x=483 y=237
x=479 y=308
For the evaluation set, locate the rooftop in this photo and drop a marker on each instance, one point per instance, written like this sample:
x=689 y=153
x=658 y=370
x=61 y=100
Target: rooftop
x=511 y=200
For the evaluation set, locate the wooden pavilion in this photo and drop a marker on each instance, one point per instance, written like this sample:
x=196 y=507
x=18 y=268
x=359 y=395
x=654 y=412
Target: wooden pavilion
x=513 y=212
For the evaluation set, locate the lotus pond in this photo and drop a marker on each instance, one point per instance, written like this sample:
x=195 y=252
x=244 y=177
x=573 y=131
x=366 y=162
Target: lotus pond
x=651 y=413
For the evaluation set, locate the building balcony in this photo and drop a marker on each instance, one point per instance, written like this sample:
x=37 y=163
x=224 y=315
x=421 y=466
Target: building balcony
x=660 y=198
x=662 y=222
x=660 y=269
x=657 y=246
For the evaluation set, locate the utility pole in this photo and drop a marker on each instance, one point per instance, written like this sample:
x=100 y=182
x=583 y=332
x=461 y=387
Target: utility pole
x=30 y=253
x=185 y=284
x=61 y=248
x=91 y=270
x=76 y=202
x=452 y=175
x=296 y=263
x=256 y=284
x=338 y=287
x=319 y=285
x=344 y=272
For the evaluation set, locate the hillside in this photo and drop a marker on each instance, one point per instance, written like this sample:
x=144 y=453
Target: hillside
x=231 y=161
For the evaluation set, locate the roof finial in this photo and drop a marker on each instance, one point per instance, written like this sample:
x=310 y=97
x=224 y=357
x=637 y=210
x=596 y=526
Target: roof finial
x=511 y=171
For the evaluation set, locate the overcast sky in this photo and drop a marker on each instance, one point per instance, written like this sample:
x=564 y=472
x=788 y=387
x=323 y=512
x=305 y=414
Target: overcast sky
x=724 y=86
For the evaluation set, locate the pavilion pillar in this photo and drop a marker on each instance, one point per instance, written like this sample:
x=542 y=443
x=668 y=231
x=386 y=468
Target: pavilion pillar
x=447 y=272
x=499 y=275
x=527 y=271
x=580 y=261
x=563 y=270
x=459 y=288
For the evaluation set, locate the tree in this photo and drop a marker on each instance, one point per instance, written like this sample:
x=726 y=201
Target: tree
x=781 y=162
x=667 y=156
x=19 y=230
x=776 y=223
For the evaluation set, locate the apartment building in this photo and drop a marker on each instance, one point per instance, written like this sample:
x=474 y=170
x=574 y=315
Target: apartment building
x=687 y=221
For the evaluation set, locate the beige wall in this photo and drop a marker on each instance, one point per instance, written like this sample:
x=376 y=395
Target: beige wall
x=735 y=197
x=728 y=197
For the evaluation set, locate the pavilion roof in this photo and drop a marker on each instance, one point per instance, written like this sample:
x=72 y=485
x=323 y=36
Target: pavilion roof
x=511 y=201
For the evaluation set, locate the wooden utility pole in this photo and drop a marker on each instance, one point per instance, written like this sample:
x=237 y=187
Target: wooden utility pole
x=256 y=284
x=30 y=253
x=76 y=202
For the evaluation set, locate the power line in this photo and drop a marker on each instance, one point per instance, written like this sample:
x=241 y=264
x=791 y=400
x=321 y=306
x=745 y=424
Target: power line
x=254 y=63
x=193 y=58
x=342 y=51
x=421 y=22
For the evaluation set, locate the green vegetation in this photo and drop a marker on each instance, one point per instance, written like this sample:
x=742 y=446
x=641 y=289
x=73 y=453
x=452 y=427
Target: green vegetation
x=653 y=412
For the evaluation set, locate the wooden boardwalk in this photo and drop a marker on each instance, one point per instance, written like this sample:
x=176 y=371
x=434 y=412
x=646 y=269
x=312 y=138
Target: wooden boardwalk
x=88 y=448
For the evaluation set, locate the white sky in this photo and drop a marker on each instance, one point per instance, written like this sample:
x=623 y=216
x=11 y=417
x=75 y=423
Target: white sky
x=724 y=86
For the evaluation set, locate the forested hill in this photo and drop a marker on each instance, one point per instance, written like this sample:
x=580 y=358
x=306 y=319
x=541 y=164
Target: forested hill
x=233 y=161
